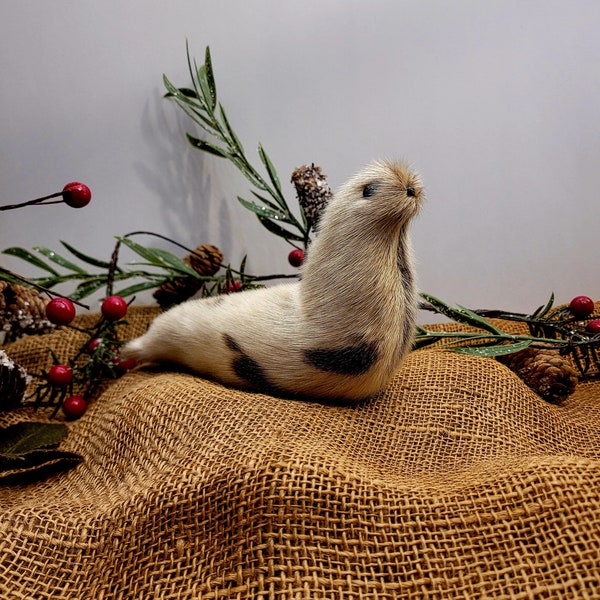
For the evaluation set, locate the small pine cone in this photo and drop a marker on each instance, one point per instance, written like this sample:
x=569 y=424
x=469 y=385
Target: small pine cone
x=176 y=291
x=313 y=191
x=545 y=371
x=13 y=382
x=206 y=260
x=22 y=311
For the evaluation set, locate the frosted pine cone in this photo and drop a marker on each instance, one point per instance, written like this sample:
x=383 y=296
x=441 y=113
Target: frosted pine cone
x=545 y=371
x=22 y=311
x=13 y=382
x=313 y=191
x=206 y=260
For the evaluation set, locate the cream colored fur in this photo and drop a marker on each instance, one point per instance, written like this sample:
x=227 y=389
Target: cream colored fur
x=357 y=286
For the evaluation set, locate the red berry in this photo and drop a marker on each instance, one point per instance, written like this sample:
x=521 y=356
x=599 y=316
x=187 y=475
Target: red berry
x=581 y=306
x=296 y=257
x=232 y=286
x=114 y=308
x=60 y=375
x=60 y=311
x=93 y=345
x=593 y=326
x=124 y=364
x=74 y=407
x=76 y=195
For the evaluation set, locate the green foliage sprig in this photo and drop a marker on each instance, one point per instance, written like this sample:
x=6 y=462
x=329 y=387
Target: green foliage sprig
x=200 y=103
x=152 y=268
x=549 y=327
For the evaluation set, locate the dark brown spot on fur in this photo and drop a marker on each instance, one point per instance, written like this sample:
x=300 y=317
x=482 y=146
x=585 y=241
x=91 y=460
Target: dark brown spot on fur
x=245 y=367
x=352 y=360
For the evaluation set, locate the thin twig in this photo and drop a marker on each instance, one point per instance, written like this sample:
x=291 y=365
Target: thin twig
x=40 y=287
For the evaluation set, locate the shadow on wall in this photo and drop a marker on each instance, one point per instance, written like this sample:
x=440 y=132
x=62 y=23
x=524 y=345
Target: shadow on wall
x=196 y=207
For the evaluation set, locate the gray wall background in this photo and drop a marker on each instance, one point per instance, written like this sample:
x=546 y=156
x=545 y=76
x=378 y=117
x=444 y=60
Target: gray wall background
x=496 y=103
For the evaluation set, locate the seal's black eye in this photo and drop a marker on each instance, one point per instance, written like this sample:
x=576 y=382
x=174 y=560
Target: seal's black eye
x=410 y=191
x=370 y=189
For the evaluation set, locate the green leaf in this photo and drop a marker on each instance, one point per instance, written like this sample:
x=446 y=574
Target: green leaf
x=59 y=260
x=157 y=257
x=184 y=95
x=491 y=351
x=264 y=157
x=90 y=260
x=141 y=287
x=478 y=320
x=278 y=230
x=89 y=286
x=543 y=310
x=30 y=258
x=188 y=92
x=24 y=437
x=206 y=146
x=210 y=77
x=263 y=211
x=460 y=315
x=203 y=82
x=142 y=251
x=234 y=138
x=171 y=260
x=36 y=465
x=265 y=201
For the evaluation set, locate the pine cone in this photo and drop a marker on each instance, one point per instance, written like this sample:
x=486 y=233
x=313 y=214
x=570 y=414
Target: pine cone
x=22 y=311
x=206 y=260
x=13 y=382
x=313 y=191
x=545 y=371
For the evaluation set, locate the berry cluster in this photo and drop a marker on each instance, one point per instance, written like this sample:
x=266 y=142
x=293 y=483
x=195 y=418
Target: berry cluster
x=98 y=358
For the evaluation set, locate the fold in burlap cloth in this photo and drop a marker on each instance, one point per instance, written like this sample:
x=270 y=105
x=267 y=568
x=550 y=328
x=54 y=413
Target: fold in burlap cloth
x=457 y=482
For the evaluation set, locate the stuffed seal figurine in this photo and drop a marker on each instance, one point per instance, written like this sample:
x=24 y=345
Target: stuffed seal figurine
x=340 y=331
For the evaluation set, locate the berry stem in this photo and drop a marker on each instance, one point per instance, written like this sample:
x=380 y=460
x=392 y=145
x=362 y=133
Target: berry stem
x=40 y=288
x=32 y=202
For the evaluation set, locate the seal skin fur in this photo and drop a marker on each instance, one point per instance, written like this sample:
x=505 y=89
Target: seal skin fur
x=340 y=332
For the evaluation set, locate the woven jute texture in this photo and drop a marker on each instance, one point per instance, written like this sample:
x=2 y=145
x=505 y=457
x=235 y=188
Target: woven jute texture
x=457 y=482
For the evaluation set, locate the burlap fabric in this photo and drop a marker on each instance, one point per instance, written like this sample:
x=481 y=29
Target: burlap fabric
x=457 y=482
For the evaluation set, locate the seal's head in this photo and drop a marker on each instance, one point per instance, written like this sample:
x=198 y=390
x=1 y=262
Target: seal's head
x=385 y=193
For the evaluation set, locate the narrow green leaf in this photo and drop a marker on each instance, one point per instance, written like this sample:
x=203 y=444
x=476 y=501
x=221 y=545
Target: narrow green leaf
x=265 y=201
x=142 y=251
x=10 y=278
x=30 y=258
x=174 y=261
x=157 y=257
x=90 y=260
x=24 y=437
x=460 y=315
x=36 y=465
x=264 y=157
x=188 y=92
x=234 y=138
x=278 y=230
x=141 y=287
x=478 y=320
x=59 y=260
x=495 y=350
x=263 y=211
x=210 y=77
x=204 y=87
x=243 y=265
x=206 y=146
x=185 y=95
x=89 y=286
x=543 y=310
